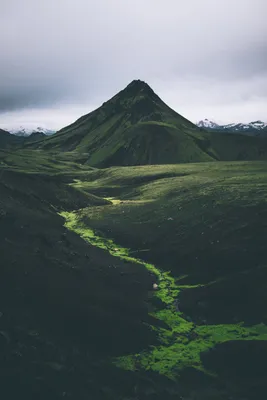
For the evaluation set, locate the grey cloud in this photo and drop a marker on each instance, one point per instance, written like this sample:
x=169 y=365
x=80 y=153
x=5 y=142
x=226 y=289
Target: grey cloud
x=79 y=51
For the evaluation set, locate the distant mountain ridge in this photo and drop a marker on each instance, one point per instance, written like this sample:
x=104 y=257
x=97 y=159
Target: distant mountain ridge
x=8 y=140
x=257 y=128
x=28 y=130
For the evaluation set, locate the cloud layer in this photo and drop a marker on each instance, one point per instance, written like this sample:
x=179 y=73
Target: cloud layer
x=206 y=59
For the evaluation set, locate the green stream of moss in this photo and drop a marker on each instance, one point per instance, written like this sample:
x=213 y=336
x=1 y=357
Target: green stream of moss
x=181 y=342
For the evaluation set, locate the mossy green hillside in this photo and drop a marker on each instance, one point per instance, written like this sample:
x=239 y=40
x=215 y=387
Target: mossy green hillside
x=42 y=162
x=135 y=127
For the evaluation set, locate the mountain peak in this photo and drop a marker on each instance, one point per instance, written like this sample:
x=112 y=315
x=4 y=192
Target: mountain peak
x=138 y=83
x=206 y=123
x=137 y=98
x=138 y=86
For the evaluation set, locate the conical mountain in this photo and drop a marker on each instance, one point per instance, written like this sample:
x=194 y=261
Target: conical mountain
x=134 y=127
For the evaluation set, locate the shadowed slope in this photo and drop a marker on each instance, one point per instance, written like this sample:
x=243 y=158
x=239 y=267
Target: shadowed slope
x=66 y=306
x=7 y=140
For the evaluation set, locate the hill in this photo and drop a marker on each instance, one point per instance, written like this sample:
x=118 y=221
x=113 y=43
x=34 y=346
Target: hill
x=34 y=136
x=135 y=127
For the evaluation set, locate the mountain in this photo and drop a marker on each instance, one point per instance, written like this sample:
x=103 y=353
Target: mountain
x=254 y=128
x=206 y=123
x=34 y=136
x=133 y=127
x=27 y=131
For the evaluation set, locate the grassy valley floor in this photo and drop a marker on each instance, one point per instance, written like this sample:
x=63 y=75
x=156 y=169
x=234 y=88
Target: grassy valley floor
x=81 y=249
x=203 y=228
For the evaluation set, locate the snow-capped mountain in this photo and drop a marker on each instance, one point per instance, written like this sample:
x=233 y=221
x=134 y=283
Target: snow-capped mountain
x=206 y=123
x=252 y=128
x=27 y=131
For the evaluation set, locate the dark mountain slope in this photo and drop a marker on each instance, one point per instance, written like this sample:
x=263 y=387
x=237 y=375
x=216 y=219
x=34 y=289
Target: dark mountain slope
x=228 y=147
x=3 y=132
x=7 y=140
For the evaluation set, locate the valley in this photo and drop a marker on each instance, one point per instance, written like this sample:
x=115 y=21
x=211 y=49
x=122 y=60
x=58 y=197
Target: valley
x=133 y=258
x=88 y=244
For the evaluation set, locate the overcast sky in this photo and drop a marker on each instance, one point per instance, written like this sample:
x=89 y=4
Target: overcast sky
x=62 y=58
